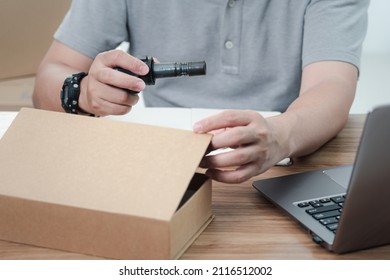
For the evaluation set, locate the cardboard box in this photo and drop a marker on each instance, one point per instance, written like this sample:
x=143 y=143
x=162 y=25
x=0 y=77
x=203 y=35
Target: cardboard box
x=26 y=32
x=101 y=187
x=16 y=93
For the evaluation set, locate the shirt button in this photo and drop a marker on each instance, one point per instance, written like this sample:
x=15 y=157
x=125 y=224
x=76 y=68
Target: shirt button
x=229 y=45
x=232 y=3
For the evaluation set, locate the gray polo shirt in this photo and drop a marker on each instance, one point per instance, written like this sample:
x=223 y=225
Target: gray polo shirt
x=255 y=50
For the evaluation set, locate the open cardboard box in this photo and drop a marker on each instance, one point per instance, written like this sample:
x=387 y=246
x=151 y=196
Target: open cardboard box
x=102 y=187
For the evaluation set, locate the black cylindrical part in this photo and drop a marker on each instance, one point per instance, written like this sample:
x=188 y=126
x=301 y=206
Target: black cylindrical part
x=166 y=70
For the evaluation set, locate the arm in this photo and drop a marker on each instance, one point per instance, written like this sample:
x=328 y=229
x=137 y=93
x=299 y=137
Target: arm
x=101 y=92
x=320 y=112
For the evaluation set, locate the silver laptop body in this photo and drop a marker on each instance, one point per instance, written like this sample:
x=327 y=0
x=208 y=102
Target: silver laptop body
x=364 y=190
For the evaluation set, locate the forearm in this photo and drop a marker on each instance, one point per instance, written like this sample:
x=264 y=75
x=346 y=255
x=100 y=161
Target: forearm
x=319 y=113
x=303 y=129
x=48 y=84
x=59 y=63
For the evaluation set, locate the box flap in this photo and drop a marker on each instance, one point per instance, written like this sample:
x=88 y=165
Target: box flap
x=98 y=164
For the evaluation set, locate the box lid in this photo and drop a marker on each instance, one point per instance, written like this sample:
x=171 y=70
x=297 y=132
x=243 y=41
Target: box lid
x=98 y=164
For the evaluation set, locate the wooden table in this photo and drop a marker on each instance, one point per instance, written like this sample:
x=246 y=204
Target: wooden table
x=246 y=225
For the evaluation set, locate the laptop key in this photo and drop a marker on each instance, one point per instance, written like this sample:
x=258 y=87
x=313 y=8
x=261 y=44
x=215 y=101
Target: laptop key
x=326 y=215
x=338 y=199
x=328 y=221
x=332 y=227
x=315 y=203
x=303 y=204
x=321 y=209
x=325 y=210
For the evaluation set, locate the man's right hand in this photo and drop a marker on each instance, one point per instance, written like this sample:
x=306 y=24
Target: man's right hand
x=104 y=90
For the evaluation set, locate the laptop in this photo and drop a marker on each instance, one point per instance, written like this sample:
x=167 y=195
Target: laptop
x=344 y=208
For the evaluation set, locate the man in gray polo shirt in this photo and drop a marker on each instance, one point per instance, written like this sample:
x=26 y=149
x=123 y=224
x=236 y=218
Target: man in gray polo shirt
x=299 y=57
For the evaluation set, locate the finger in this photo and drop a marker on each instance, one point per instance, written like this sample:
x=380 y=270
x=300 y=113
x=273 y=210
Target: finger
x=237 y=157
x=108 y=108
x=234 y=137
x=225 y=119
x=121 y=97
x=118 y=79
x=108 y=100
x=237 y=176
x=119 y=58
x=103 y=70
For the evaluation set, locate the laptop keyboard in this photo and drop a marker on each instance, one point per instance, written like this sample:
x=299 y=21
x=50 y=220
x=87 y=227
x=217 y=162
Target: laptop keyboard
x=325 y=210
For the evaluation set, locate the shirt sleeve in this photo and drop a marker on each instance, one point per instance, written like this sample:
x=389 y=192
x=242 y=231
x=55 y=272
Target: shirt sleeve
x=334 y=30
x=93 y=26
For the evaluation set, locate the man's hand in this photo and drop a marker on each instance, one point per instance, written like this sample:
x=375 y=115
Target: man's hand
x=104 y=90
x=254 y=146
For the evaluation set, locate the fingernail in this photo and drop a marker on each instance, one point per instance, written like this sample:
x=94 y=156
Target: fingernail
x=140 y=85
x=198 y=128
x=143 y=69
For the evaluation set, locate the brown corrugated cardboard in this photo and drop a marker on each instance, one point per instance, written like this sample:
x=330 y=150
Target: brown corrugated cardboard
x=16 y=93
x=102 y=187
x=26 y=31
